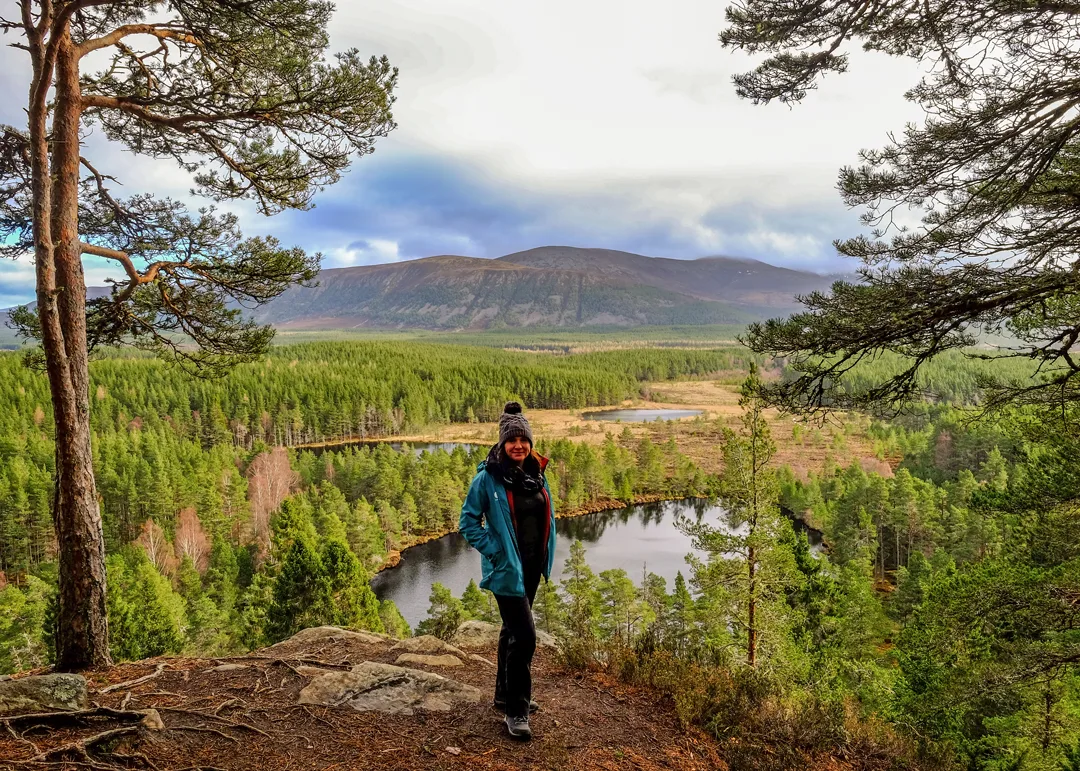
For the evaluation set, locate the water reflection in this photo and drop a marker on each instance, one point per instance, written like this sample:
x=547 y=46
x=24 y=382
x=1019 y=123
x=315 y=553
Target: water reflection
x=637 y=539
x=639 y=416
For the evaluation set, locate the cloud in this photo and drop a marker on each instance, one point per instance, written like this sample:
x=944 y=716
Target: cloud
x=363 y=253
x=403 y=206
x=17 y=278
x=16 y=282
x=524 y=125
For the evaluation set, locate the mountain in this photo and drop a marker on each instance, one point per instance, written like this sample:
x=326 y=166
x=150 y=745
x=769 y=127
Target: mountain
x=548 y=286
x=749 y=283
x=551 y=286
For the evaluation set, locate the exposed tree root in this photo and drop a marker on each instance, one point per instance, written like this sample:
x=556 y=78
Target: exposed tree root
x=233 y=702
x=75 y=717
x=80 y=751
x=138 y=680
x=214 y=716
x=206 y=730
x=88 y=752
x=286 y=661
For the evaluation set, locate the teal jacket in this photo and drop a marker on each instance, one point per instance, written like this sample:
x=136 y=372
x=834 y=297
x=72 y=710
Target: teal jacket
x=487 y=522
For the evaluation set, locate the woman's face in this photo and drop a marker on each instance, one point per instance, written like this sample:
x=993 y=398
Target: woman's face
x=518 y=449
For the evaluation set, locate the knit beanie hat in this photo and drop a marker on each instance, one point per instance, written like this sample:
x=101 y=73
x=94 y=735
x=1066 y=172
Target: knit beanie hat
x=512 y=423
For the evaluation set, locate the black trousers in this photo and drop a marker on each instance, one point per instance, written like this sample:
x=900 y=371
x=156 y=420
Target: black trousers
x=517 y=643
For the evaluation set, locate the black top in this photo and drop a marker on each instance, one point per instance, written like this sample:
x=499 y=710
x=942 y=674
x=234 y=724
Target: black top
x=530 y=511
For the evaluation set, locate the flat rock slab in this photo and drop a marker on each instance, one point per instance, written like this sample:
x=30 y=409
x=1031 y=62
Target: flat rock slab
x=480 y=634
x=329 y=634
x=445 y=660
x=428 y=645
x=40 y=693
x=374 y=687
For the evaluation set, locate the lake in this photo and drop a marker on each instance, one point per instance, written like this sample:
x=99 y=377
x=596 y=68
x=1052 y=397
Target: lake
x=639 y=416
x=636 y=539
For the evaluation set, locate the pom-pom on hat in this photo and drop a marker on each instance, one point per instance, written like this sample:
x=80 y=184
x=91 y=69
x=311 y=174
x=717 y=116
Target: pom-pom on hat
x=512 y=423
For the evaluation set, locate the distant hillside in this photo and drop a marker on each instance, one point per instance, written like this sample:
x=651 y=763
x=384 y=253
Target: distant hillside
x=748 y=283
x=549 y=286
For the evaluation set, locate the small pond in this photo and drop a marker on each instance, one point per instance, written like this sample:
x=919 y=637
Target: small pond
x=636 y=539
x=639 y=416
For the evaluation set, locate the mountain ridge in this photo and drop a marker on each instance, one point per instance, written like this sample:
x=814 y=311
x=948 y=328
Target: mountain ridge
x=549 y=286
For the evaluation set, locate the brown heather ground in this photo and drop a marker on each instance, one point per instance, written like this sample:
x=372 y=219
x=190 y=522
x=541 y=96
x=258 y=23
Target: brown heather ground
x=842 y=440
x=248 y=719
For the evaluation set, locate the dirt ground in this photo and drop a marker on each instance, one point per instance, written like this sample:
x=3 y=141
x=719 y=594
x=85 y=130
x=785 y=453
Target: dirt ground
x=802 y=446
x=248 y=718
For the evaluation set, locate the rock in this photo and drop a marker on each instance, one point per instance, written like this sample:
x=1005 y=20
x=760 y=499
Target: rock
x=329 y=634
x=152 y=721
x=43 y=692
x=374 y=687
x=428 y=645
x=480 y=634
x=481 y=660
x=476 y=634
x=306 y=671
x=445 y=660
x=229 y=667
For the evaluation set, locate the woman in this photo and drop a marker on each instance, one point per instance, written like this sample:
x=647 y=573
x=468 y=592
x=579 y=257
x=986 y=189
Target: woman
x=508 y=518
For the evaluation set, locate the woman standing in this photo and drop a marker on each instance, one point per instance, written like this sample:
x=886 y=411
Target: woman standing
x=509 y=519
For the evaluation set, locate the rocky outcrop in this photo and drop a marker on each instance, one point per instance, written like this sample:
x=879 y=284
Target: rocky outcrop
x=445 y=660
x=428 y=645
x=480 y=634
x=374 y=687
x=329 y=634
x=43 y=693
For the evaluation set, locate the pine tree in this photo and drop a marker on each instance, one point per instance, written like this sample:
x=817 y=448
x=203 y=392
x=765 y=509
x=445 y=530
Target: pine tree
x=297 y=592
x=750 y=566
x=393 y=622
x=582 y=607
x=347 y=598
x=147 y=617
x=685 y=635
x=549 y=609
x=22 y=625
x=620 y=611
x=912 y=584
x=445 y=614
x=478 y=604
x=656 y=605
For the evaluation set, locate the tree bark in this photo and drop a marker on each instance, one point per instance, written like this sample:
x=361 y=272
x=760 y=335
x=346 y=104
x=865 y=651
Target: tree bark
x=751 y=610
x=82 y=636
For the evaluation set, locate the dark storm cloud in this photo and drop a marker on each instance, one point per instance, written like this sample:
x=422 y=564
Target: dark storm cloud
x=427 y=206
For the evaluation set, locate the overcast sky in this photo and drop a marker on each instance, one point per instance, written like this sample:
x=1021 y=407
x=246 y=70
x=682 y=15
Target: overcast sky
x=574 y=122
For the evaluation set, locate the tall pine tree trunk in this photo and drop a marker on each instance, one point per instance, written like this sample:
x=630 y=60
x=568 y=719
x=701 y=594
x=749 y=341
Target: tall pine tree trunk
x=82 y=639
x=751 y=610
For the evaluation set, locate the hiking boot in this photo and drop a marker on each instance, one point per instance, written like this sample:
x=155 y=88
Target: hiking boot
x=519 y=727
x=500 y=704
